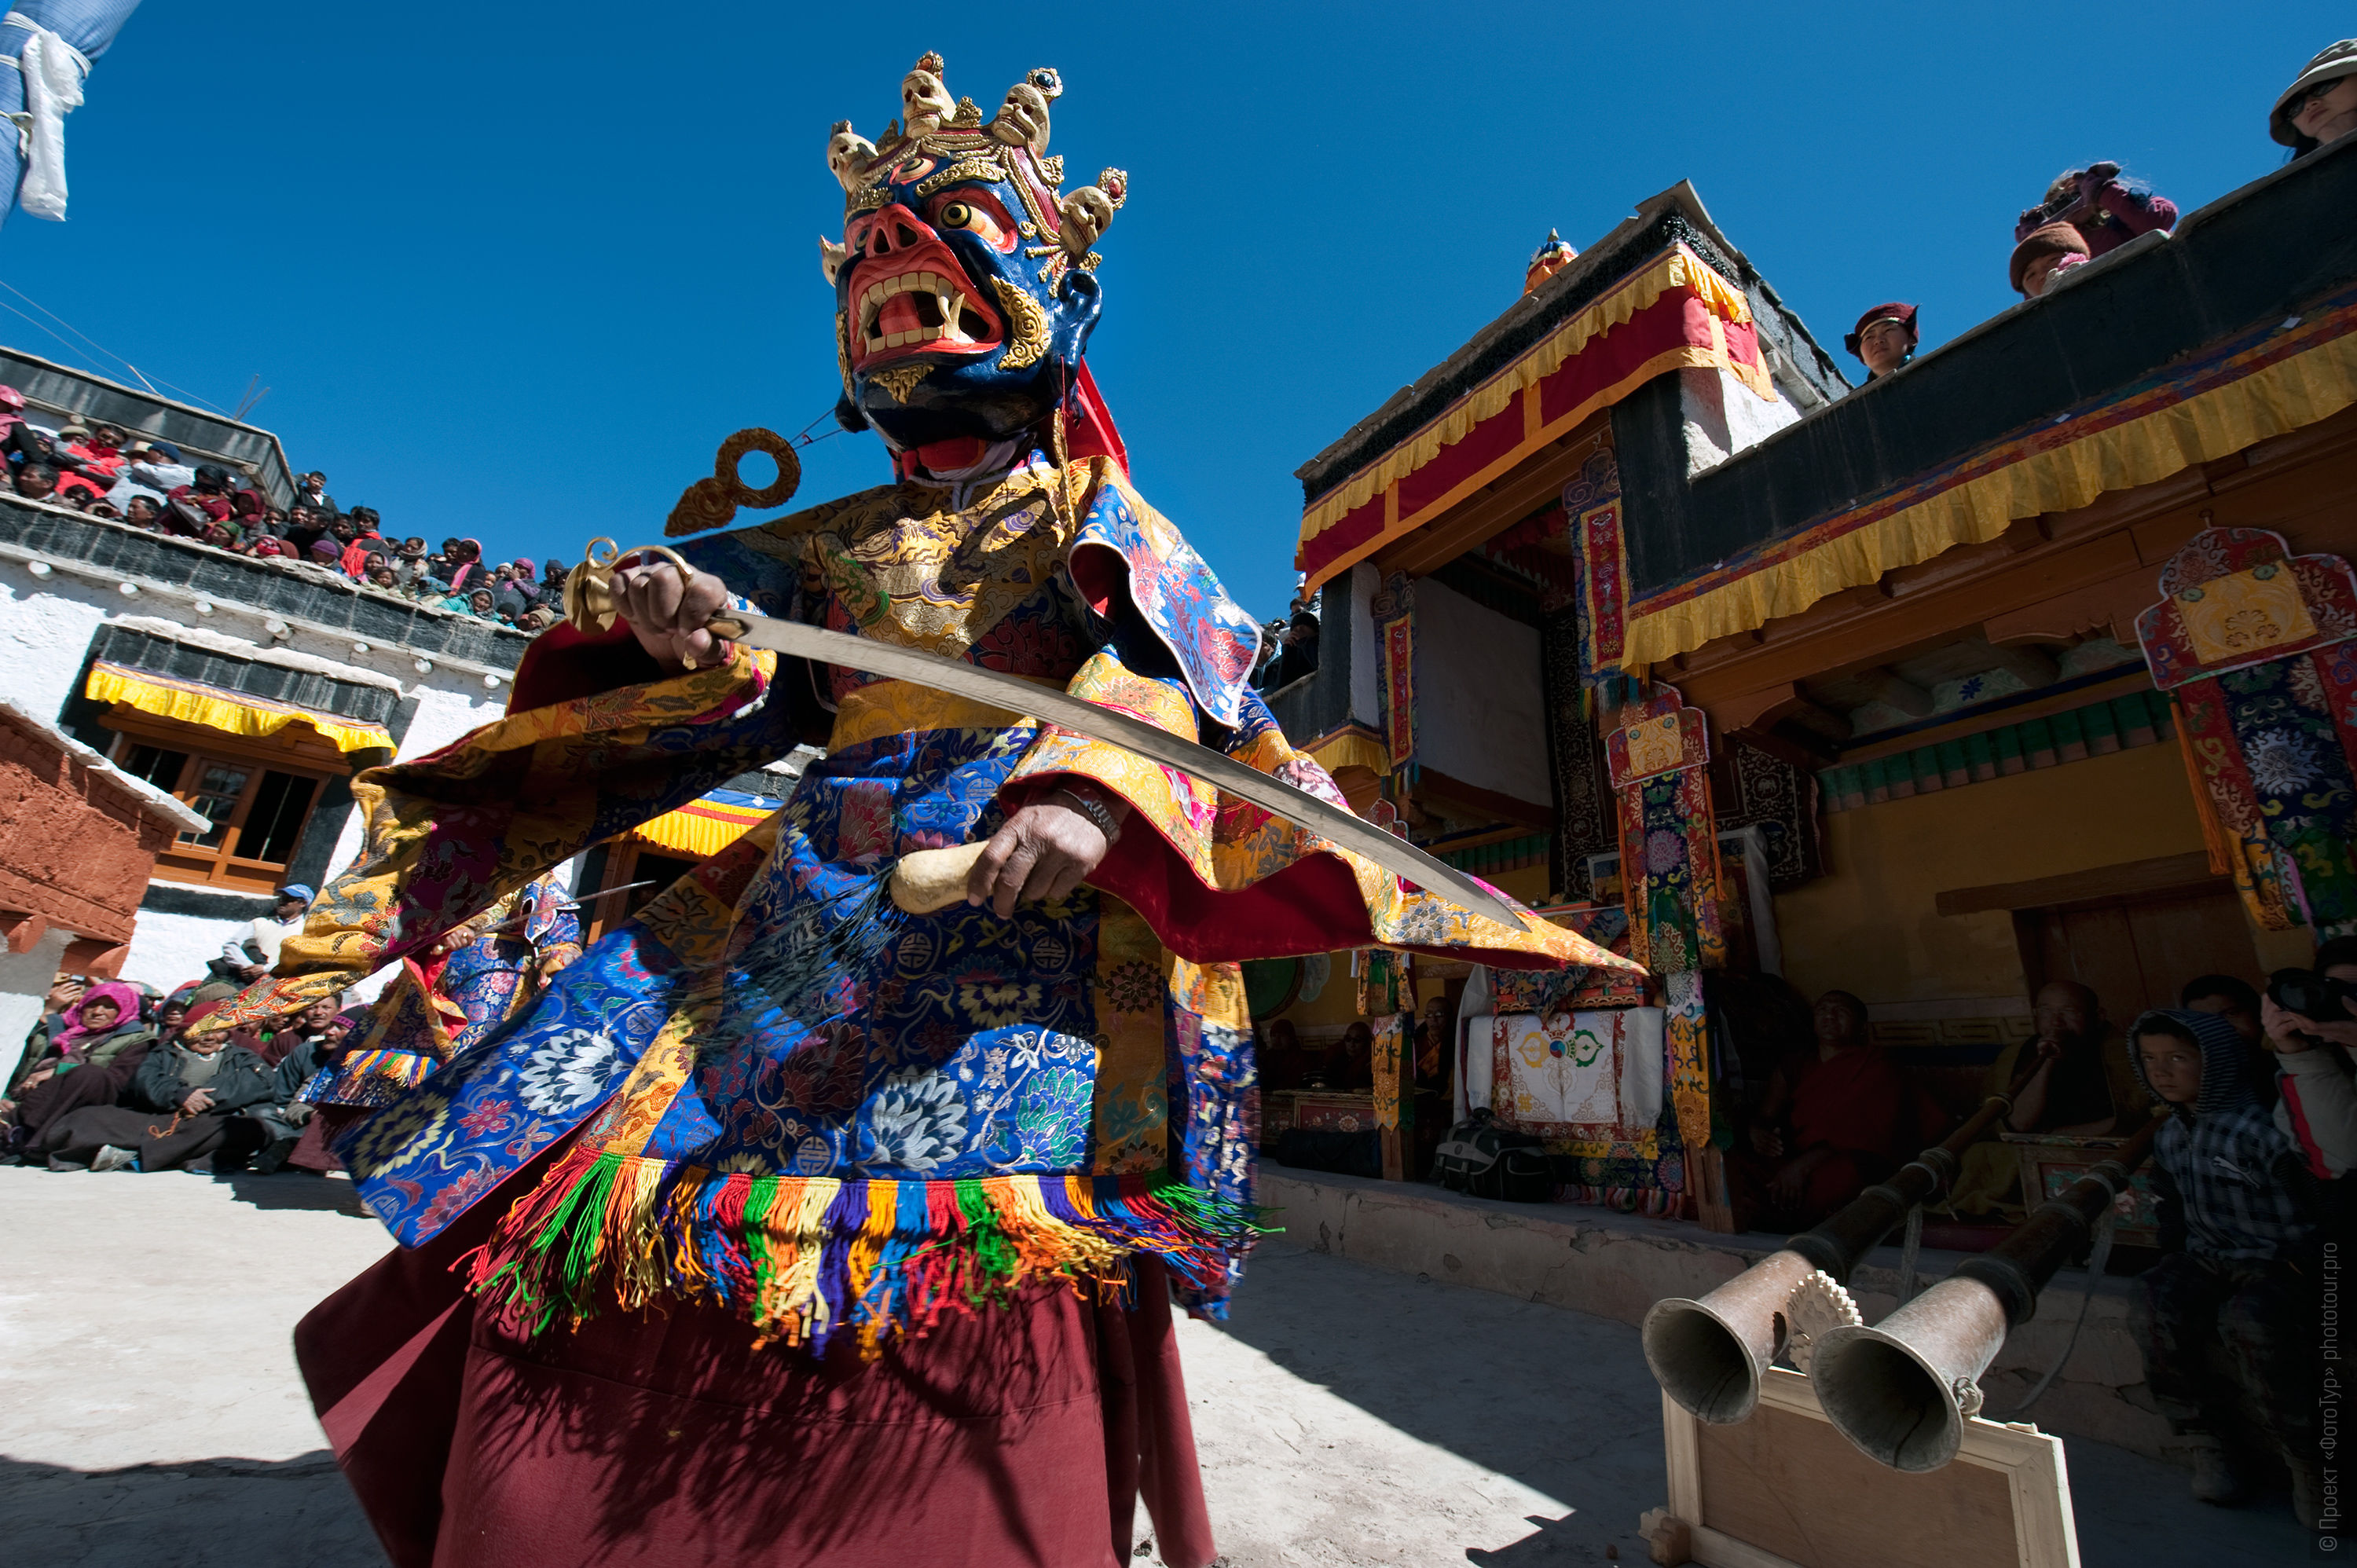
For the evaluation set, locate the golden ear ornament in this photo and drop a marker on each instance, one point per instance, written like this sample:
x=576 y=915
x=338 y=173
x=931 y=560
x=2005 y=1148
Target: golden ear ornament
x=1027 y=337
x=712 y=502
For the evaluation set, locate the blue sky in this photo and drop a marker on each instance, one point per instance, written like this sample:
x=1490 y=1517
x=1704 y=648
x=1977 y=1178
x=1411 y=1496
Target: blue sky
x=515 y=273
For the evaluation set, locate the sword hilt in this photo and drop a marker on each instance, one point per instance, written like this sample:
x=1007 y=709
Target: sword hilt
x=590 y=588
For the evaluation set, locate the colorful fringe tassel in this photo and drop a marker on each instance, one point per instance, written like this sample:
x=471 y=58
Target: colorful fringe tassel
x=368 y=1077
x=804 y=1257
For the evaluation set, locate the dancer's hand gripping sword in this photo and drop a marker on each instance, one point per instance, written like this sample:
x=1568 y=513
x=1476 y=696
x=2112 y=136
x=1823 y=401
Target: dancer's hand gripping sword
x=589 y=606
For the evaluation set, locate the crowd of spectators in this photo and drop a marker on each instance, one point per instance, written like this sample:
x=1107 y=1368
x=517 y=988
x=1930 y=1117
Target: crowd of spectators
x=123 y=1077
x=2092 y=211
x=98 y=470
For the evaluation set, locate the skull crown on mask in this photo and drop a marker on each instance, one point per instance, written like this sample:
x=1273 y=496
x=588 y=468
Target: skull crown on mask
x=965 y=286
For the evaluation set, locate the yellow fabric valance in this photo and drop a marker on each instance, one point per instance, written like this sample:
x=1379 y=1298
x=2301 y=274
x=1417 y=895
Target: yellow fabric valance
x=2311 y=384
x=1351 y=748
x=214 y=707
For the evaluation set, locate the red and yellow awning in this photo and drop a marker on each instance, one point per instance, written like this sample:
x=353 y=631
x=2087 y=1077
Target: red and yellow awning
x=1672 y=313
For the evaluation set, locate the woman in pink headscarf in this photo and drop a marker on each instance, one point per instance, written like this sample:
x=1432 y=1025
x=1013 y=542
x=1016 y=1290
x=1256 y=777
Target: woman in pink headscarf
x=89 y=1063
x=470 y=573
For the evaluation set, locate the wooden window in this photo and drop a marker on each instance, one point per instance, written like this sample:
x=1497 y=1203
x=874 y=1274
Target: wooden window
x=259 y=794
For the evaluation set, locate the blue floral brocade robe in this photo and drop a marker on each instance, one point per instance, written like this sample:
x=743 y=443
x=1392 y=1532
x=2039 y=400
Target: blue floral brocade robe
x=785 y=1095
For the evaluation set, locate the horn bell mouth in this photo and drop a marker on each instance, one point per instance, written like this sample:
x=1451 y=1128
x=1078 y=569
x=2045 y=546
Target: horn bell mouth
x=1701 y=1361
x=1893 y=1405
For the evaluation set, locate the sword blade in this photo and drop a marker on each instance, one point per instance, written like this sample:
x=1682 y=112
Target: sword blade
x=1323 y=817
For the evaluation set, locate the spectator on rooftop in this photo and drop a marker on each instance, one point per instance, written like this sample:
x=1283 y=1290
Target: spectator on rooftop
x=189 y=507
x=2321 y=105
x=551 y=582
x=36 y=480
x=269 y=546
x=1884 y=339
x=467 y=568
x=362 y=541
x=222 y=535
x=381 y=576
x=311 y=490
x=153 y=467
x=408 y=561
x=102 y=507
x=143 y=510
x=2107 y=211
x=2042 y=254
x=79 y=451
x=20 y=443
x=325 y=552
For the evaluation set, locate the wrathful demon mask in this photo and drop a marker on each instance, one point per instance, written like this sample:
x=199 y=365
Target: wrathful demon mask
x=964 y=285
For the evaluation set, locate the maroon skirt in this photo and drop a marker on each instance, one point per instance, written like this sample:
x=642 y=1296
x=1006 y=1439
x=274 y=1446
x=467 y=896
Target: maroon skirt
x=1023 y=1433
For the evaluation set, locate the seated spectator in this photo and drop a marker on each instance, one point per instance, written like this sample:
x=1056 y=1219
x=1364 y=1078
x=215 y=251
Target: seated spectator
x=467 y=568
x=97 y=1028
x=269 y=547
x=2321 y=104
x=65 y=990
x=1884 y=339
x=2106 y=211
x=538 y=618
x=362 y=543
x=82 y=451
x=1835 y=1119
x=327 y=552
x=75 y=491
x=200 y=1082
x=409 y=561
x=97 y=1058
x=2073 y=1089
x=151 y=469
x=222 y=535
x=1297 y=656
x=144 y=511
x=311 y=491
x=2318 y=1109
x=1347 y=1064
x=36 y=482
x=2042 y=254
x=300 y=1030
x=188 y=508
x=2229 y=998
x=305 y=528
x=552 y=583
x=2233 y=1202
x=20 y=441
x=251 y=949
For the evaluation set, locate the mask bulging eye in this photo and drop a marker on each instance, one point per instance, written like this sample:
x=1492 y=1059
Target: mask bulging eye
x=957 y=215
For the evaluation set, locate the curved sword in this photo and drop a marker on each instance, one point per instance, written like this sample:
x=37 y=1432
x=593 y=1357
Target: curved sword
x=1013 y=692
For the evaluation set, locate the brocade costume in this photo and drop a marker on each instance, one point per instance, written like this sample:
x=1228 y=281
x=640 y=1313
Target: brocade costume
x=961 y=1162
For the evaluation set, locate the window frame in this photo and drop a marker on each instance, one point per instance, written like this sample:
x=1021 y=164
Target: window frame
x=297 y=750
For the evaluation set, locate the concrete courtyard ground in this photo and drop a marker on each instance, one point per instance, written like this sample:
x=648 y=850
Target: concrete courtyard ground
x=150 y=1415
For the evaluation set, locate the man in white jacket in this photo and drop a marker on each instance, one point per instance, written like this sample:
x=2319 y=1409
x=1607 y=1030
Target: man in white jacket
x=254 y=951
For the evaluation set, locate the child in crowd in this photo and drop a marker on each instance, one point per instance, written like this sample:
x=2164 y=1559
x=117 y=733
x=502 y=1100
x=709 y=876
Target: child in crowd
x=2236 y=1281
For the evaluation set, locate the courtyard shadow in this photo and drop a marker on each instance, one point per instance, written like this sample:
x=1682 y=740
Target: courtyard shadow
x=207 y=1513
x=295 y=1189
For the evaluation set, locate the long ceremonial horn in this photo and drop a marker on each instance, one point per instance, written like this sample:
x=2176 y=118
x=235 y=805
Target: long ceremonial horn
x=1709 y=1355
x=1901 y=1390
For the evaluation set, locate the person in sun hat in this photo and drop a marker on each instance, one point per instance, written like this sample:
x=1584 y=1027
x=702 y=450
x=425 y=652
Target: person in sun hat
x=1884 y=339
x=2043 y=253
x=2321 y=104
